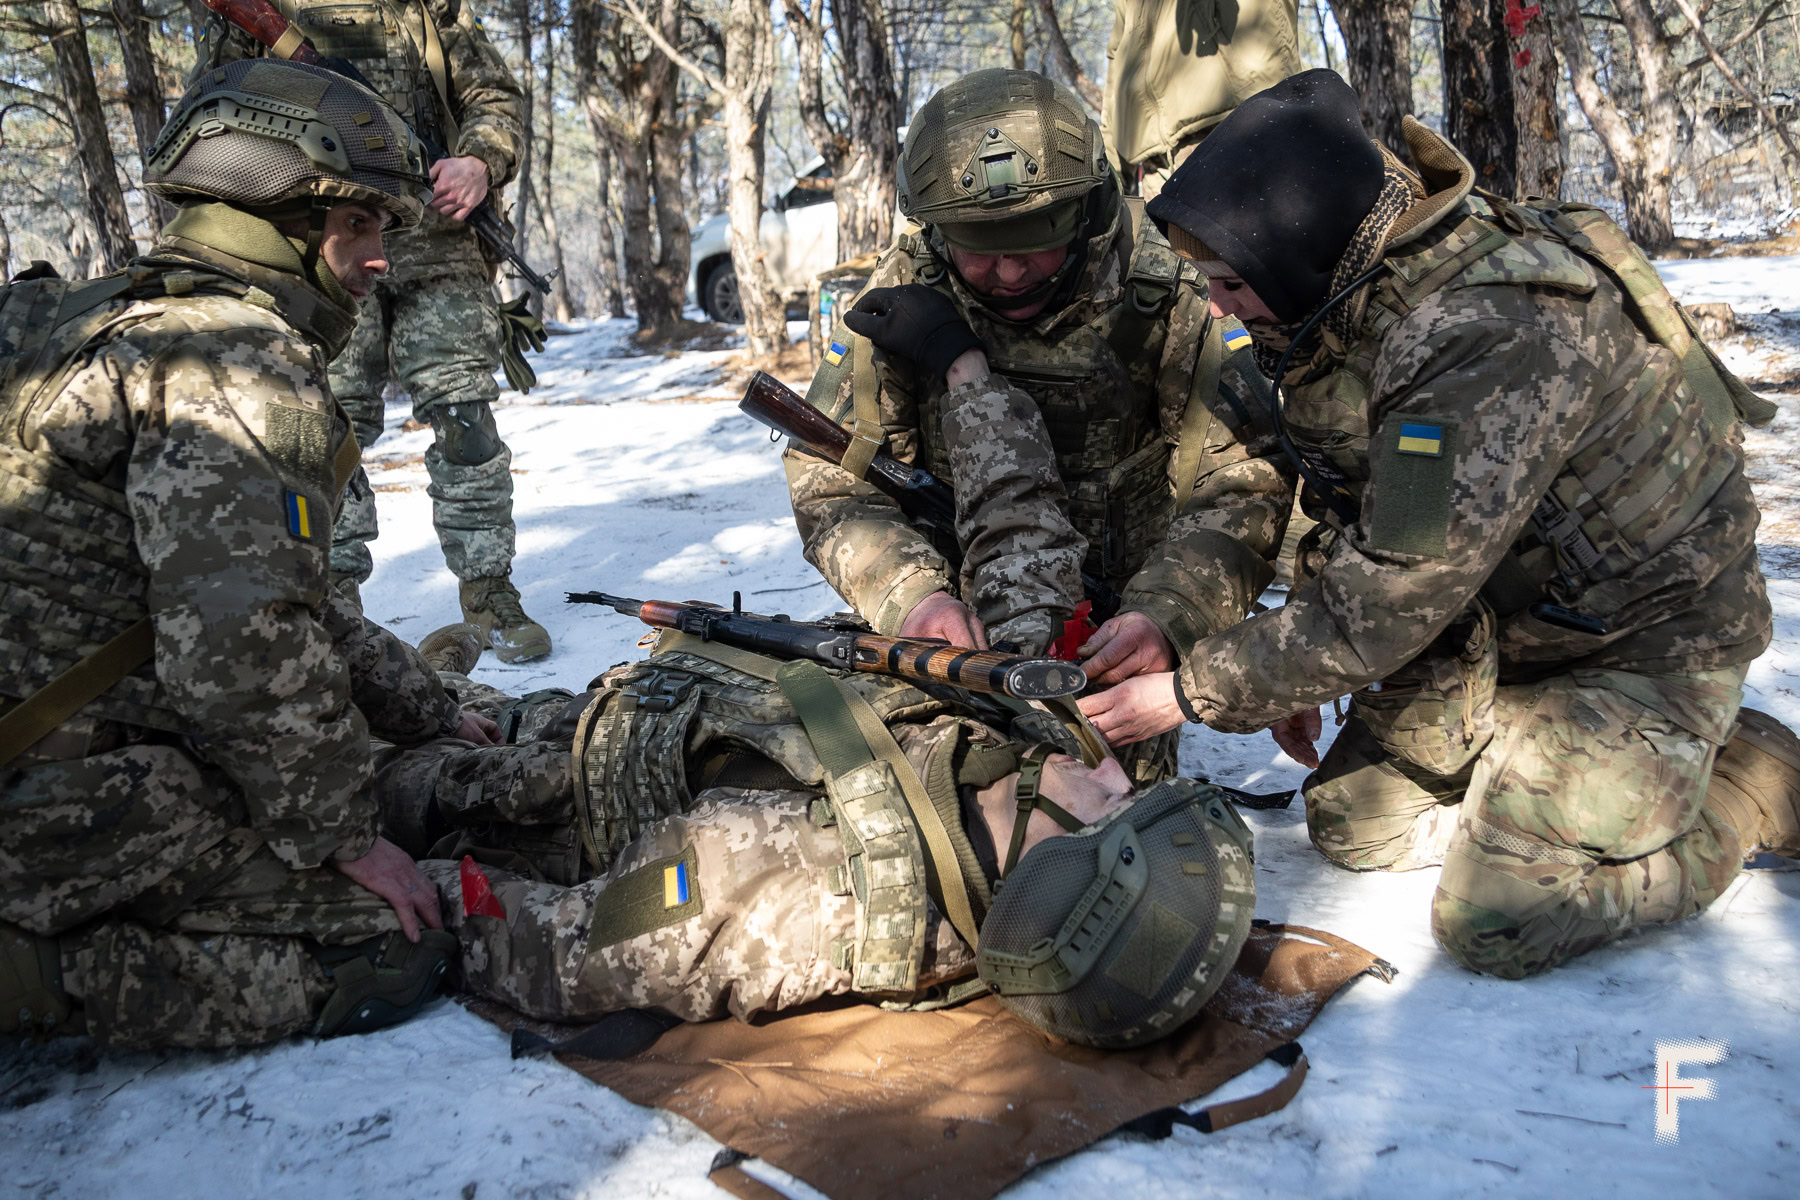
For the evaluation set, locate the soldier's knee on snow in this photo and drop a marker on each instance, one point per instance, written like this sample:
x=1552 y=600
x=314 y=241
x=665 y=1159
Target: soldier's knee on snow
x=382 y=981
x=466 y=433
x=1489 y=942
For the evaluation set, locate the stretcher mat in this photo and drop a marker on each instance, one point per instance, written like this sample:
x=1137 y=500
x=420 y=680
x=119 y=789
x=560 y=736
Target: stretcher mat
x=866 y=1104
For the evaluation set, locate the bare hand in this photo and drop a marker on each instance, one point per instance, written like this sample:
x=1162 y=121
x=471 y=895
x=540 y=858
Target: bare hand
x=1296 y=735
x=1128 y=645
x=458 y=185
x=941 y=615
x=1139 y=708
x=971 y=366
x=387 y=871
x=478 y=729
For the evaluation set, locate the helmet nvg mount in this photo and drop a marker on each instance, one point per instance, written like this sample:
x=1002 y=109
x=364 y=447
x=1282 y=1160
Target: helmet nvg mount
x=1001 y=162
x=262 y=133
x=1117 y=935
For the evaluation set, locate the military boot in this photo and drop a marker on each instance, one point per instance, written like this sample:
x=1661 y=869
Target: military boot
x=32 y=1000
x=1756 y=784
x=454 y=648
x=494 y=605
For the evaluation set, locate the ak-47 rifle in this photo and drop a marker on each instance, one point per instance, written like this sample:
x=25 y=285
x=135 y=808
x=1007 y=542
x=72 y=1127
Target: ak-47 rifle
x=847 y=646
x=922 y=496
x=264 y=22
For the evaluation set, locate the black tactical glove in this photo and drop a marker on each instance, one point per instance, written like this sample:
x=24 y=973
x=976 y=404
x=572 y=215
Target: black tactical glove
x=915 y=322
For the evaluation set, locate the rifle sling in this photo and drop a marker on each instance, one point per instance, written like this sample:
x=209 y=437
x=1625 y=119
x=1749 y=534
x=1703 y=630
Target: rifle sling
x=48 y=707
x=440 y=76
x=1197 y=416
x=845 y=733
x=866 y=435
x=759 y=666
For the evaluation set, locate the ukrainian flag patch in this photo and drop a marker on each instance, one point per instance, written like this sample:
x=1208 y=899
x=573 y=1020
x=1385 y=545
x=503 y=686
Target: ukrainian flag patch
x=299 y=515
x=1236 y=339
x=835 y=353
x=675 y=885
x=1421 y=439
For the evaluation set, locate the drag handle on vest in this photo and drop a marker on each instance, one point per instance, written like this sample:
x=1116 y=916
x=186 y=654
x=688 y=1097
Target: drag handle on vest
x=848 y=647
x=264 y=22
x=922 y=496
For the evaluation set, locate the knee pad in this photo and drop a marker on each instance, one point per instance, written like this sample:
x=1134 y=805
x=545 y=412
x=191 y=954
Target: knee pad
x=466 y=433
x=382 y=981
x=32 y=999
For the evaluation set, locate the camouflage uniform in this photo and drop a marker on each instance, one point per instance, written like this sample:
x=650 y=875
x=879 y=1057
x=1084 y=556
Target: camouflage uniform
x=1558 y=773
x=798 y=888
x=433 y=321
x=1091 y=421
x=168 y=843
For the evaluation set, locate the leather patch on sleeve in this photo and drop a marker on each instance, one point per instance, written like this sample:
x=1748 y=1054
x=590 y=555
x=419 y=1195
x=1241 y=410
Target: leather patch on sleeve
x=1411 y=470
x=300 y=440
x=658 y=893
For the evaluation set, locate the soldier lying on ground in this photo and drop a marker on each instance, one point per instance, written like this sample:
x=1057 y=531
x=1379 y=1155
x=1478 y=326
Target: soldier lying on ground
x=712 y=831
x=1159 y=487
x=1543 y=589
x=172 y=458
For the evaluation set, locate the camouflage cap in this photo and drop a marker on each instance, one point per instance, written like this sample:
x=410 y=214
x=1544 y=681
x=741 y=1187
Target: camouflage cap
x=1001 y=162
x=1117 y=935
x=260 y=133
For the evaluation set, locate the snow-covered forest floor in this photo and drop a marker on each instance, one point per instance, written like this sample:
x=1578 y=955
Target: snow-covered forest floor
x=637 y=474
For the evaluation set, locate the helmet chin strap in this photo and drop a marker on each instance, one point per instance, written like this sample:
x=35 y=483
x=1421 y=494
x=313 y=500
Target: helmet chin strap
x=315 y=237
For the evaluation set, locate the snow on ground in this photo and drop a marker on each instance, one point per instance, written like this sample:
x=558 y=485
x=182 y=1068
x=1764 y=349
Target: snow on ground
x=632 y=478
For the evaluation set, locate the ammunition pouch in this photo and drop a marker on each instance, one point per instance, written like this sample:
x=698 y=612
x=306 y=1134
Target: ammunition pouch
x=32 y=999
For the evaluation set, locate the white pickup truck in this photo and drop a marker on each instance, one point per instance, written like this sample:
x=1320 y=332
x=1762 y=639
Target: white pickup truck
x=799 y=240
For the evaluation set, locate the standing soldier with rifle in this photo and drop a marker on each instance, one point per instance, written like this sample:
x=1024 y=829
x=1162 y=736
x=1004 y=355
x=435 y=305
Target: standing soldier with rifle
x=434 y=322
x=1119 y=435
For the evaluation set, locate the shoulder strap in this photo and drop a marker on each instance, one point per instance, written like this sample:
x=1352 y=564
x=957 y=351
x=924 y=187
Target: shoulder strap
x=440 y=74
x=846 y=733
x=1197 y=416
x=74 y=689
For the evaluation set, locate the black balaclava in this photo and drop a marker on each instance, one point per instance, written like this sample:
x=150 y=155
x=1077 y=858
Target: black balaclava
x=1277 y=190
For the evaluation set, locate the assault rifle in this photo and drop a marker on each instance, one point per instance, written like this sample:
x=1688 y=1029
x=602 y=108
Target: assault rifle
x=847 y=645
x=262 y=21
x=922 y=496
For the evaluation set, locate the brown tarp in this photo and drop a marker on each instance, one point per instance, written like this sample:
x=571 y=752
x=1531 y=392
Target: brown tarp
x=866 y=1104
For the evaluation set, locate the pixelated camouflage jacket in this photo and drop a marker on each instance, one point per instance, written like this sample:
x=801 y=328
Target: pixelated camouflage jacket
x=386 y=41
x=1491 y=368
x=1113 y=418
x=180 y=465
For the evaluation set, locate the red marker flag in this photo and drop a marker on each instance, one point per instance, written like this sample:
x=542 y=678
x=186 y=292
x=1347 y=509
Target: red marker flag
x=478 y=896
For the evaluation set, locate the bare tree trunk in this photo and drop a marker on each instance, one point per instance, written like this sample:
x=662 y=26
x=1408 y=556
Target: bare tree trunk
x=1018 y=34
x=5 y=248
x=1378 y=46
x=99 y=173
x=1478 y=99
x=863 y=154
x=748 y=87
x=1065 y=57
x=1644 y=161
x=562 y=305
x=1537 y=114
x=528 y=85
x=612 y=252
x=143 y=92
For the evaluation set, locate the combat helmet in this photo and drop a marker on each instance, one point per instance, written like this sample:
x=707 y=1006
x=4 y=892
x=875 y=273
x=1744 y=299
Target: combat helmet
x=1002 y=162
x=1117 y=935
x=266 y=135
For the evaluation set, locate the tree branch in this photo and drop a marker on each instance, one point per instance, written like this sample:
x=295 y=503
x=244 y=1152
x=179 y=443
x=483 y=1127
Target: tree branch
x=629 y=8
x=1718 y=60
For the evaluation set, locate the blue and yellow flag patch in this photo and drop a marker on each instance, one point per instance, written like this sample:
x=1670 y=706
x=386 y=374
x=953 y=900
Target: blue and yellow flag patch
x=834 y=354
x=299 y=515
x=1421 y=439
x=1236 y=339
x=675 y=885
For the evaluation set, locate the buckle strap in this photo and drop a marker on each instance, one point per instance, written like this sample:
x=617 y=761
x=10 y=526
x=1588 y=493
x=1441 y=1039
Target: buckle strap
x=1027 y=799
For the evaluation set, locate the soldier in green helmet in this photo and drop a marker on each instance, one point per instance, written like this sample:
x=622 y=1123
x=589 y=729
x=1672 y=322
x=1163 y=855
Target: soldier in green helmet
x=1032 y=338
x=188 y=850
x=1537 y=572
x=711 y=831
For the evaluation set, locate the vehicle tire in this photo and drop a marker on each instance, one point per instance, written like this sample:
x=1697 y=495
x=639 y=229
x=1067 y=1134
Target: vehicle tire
x=719 y=295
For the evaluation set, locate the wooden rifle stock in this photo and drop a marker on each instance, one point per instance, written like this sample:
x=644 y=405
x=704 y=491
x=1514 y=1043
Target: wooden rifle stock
x=847 y=647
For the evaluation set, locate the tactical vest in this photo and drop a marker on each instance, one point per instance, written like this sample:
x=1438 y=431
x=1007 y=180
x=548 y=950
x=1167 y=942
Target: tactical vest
x=396 y=46
x=1099 y=386
x=1576 y=538
x=71 y=580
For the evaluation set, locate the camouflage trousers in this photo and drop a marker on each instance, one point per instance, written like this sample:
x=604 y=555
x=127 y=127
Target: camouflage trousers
x=434 y=327
x=742 y=905
x=1583 y=818
x=176 y=925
